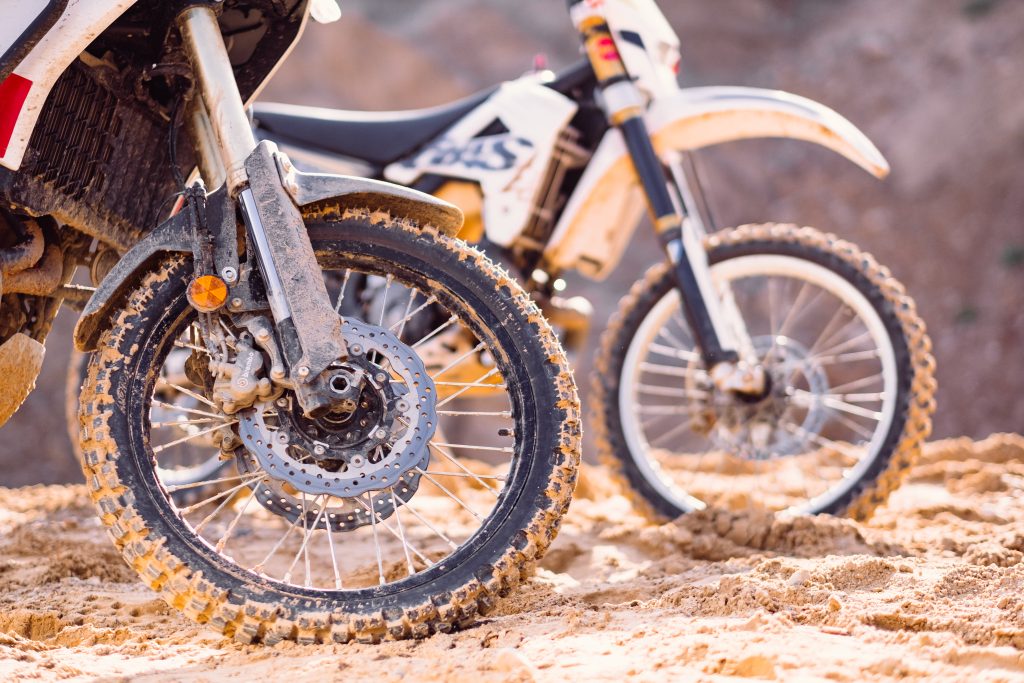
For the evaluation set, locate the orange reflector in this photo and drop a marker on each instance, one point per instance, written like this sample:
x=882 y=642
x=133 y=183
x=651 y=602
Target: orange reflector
x=207 y=293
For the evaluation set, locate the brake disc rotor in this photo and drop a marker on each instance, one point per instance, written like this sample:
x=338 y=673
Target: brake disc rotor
x=342 y=514
x=413 y=421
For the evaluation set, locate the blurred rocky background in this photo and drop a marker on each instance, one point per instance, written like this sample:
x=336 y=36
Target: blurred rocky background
x=937 y=84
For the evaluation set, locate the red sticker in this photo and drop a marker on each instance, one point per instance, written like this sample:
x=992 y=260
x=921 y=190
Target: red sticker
x=13 y=91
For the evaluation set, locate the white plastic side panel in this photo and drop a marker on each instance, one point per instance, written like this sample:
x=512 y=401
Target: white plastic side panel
x=18 y=17
x=601 y=215
x=81 y=23
x=510 y=166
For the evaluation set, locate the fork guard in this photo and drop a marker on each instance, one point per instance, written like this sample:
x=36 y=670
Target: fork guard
x=175 y=235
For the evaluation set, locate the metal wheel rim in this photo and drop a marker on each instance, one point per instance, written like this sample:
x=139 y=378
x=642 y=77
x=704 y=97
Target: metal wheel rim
x=731 y=270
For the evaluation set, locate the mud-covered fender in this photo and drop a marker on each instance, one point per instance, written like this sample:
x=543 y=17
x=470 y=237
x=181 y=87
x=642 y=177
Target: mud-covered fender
x=352 y=192
x=698 y=117
x=306 y=189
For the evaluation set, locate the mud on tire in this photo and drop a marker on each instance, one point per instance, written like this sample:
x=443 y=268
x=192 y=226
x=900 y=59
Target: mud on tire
x=192 y=577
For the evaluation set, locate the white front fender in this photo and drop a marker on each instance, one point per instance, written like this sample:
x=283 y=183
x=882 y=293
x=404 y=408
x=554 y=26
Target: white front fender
x=698 y=117
x=599 y=219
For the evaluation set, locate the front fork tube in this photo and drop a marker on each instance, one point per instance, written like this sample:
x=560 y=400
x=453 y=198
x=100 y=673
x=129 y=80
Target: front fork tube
x=688 y=258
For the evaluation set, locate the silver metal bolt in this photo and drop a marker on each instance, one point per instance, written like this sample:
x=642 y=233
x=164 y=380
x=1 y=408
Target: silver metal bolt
x=282 y=403
x=229 y=274
x=402 y=406
x=380 y=434
x=236 y=302
x=303 y=371
x=277 y=372
x=319 y=450
x=380 y=377
x=356 y=349
x=262 y=334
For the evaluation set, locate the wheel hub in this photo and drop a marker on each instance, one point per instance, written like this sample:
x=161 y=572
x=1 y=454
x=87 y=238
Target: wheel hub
x=758 y=428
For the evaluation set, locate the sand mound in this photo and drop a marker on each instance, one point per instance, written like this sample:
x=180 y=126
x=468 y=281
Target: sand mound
x=932 y=588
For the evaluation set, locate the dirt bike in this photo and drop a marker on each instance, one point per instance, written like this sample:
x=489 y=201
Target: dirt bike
x=354 y=497
x=768 y=365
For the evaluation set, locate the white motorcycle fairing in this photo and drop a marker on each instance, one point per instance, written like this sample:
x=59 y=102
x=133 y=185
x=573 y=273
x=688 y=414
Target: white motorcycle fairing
x=606 y=206
x=77 y=26
x=510 y=167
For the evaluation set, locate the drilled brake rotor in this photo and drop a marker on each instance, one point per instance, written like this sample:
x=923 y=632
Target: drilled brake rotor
x=355 y=470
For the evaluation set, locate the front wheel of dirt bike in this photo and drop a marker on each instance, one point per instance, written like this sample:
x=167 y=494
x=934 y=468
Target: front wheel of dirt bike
x=848 y=402
x=409 y=511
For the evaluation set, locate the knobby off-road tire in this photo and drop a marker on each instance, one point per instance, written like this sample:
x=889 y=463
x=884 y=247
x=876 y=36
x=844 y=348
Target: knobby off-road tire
x=192 y=577
x=915 y=404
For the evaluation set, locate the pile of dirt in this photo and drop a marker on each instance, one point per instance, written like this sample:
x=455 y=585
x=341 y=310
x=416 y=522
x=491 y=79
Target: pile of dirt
x=931 y=588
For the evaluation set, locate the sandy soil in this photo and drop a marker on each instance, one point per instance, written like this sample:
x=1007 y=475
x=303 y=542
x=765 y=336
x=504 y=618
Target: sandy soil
x=932 y=588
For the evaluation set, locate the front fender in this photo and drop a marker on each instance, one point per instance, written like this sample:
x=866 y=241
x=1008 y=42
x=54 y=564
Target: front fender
x=306 y=189
x=376 y=195
x=699 y=117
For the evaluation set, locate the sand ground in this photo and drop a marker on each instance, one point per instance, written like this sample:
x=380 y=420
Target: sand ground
x=932 y=588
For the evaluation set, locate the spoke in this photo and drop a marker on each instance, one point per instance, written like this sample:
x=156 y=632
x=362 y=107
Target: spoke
x=401 y=537
x=671 y=352
x=234 y=522
x=500 y=449
x=187 y=392
x=273 y=551
x=307 y=533
x=405 y=316
x=468 y=475
x=450 y=494
x=681 y=427
x=401 y=533
x=458 y=393
x=838 y=404
x=196 y=506
x=185 y=423
x=451 y=321
x=180 y=487
x=851 y=357
x=216 y=511
x=860 y=429
x=334 y=558
x=410 y=508
x=341 y=293
x=475 y=349
x=478 y=413
x=470 y=385
x=670 y=391
x=384 y=302
x=672 y=370
x=818 y=439
x=824 y=339
x=858 y=383
x=409 y=316
x=183 y=439
x=186 y=345
x=663 y=410
x=451 y=458
x=853 y=341
x=376 y=542
x=191 y=411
